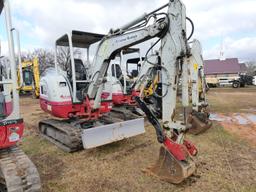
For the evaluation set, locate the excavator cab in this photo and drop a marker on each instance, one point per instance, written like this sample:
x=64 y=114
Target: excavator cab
x=64 y=94
x=131 y=65
x=74 y=46
x=28 y=77
x=71 y=76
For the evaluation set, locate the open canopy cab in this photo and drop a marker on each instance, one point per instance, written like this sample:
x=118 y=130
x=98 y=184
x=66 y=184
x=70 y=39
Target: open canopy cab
x=76 y=70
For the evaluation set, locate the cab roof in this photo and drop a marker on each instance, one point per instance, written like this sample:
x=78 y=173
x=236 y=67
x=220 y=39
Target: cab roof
x=80 y=39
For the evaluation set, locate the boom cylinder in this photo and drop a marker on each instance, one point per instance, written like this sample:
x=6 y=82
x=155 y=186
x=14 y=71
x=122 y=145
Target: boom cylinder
x=134 y=22
x=140 y=18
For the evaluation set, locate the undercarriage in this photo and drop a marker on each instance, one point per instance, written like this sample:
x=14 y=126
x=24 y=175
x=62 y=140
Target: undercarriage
x=72 y=135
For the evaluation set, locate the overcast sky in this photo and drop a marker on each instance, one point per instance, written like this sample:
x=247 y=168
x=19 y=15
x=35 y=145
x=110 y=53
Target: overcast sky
x=232 y=21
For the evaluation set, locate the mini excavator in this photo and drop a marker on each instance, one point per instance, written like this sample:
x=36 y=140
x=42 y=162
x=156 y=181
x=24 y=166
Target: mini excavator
x=17 y=172
x=64 y=95
x=82 y=104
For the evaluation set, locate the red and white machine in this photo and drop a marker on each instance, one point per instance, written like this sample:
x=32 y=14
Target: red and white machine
x=84 y=101
x=121 y=88
x=17 y=172
x=63 y=94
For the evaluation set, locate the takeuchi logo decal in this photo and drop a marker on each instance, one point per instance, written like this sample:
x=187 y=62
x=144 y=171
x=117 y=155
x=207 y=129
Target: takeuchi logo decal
x=105 y=95
x=126 y=38
x=65 y=97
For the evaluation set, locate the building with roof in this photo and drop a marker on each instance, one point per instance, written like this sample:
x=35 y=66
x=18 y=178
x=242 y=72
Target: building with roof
x=224 y=68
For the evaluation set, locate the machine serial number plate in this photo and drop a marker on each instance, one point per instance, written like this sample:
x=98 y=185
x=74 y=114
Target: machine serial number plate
x=14 y=137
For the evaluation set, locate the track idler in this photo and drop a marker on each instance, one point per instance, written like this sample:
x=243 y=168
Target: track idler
x=199 y=122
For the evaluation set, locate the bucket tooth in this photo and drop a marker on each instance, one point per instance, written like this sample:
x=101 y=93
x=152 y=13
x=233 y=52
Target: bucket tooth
x=171 y=170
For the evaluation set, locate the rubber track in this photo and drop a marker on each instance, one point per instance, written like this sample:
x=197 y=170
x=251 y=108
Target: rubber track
x=18 y=171
x=63 y=134
x=123 y=113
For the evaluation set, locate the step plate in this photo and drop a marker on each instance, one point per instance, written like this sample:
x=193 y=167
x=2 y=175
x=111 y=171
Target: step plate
x=106 y=134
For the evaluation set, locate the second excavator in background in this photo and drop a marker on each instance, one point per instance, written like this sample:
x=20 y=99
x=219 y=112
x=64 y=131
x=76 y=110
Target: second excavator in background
x=29 y=77
x=199 y=116
x=198 y=112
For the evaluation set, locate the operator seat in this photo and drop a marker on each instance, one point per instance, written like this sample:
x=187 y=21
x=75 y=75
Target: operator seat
x=81 y=75
x=80 y=70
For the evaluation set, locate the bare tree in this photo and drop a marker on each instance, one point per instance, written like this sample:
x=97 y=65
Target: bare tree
x=251 y=68
x=63 y=57
x=45 y=57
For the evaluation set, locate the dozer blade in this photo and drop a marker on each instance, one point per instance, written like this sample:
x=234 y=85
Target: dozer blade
x=198 y=126
x=105 y=134
x=171 y=170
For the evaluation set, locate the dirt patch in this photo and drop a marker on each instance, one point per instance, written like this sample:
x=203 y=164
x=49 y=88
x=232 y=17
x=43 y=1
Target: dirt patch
x=242 y=125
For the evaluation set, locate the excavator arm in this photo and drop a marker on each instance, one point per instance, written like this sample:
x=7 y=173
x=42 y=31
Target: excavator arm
x=36 y=74
x=199 y=117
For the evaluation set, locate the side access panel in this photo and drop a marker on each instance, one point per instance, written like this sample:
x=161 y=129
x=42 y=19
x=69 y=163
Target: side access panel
x=105 y=134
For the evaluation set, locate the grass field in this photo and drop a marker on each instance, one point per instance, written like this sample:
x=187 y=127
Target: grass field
x=226 y=161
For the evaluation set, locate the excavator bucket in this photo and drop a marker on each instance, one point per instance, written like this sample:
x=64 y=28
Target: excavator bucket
x=198 y=125
x=170 y=169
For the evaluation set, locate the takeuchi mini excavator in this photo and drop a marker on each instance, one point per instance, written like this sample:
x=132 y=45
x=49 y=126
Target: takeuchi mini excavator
x=84 y=112
x=62 y=94
x=17 y=172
